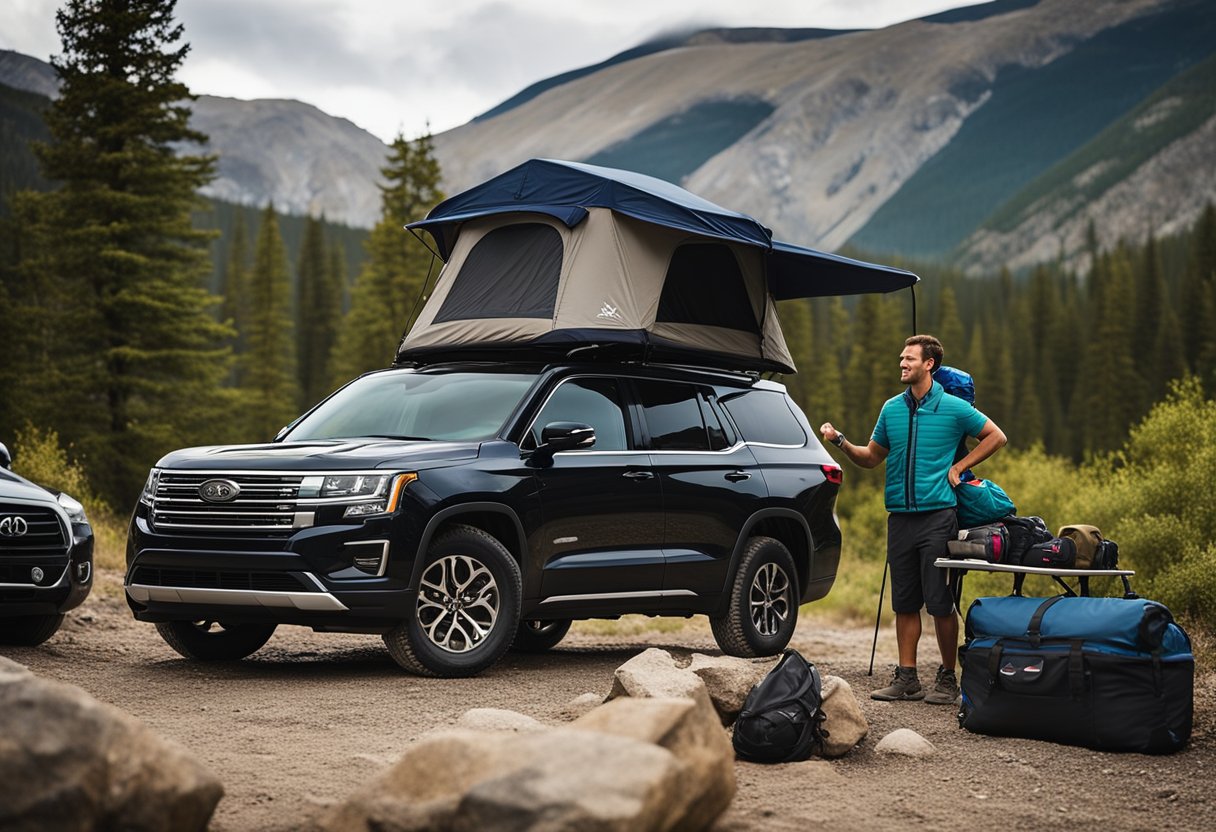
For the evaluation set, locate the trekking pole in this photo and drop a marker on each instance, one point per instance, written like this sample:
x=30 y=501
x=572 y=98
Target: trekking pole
x=877 y=618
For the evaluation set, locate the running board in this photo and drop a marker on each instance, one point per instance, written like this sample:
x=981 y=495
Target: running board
x=309 y=601
x=620 y=596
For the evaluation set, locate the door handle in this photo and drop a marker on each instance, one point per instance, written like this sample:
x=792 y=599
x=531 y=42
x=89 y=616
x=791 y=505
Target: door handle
x=738 y=476
x=638 y=475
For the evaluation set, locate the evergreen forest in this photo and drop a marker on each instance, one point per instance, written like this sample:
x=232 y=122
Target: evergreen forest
x=138 y=318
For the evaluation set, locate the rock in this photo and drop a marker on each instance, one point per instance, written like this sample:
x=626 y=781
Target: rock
x=653 y=674
x=560 y=778
x=497 y=719
x=692 y=731
x=907 y=742
x=68 y=761
x=580 y=705
x=846 y=724
x=729 y=679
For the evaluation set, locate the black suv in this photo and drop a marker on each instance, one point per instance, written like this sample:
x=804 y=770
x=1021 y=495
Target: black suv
x=46 y=557
x=463 y=508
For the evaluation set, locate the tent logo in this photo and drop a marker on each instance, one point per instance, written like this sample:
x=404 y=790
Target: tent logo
x=607 y=310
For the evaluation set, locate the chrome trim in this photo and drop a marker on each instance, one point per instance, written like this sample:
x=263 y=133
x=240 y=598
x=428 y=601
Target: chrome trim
x=383 y=553
x=303 y=520
x=609 y=596
x=308 y=601
x=53 y=505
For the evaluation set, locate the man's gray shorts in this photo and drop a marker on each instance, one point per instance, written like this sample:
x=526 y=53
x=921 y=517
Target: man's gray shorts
x=914 y=541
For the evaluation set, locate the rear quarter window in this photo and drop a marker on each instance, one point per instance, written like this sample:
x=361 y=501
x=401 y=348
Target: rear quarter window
x=764 y=416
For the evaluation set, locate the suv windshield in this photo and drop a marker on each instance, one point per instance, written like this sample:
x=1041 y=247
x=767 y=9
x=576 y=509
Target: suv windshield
x=404 y=404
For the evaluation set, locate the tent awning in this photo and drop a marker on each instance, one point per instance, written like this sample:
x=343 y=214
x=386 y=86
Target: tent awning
x=565 y=190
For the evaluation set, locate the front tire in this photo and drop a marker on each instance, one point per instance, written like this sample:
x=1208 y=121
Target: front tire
x=214 y=641
x=763 y=602
x=467 y=610
x=539 y=636
x=29 y=630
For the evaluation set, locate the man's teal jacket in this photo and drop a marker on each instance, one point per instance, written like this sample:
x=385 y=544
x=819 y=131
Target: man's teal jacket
x=921 y=438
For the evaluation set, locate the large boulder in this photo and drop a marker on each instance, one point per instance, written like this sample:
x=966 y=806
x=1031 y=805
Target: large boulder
x=556 y=779
x=70 y=762
x=729 y=679
x=692 y=731
x=653 y=673
x=845 y=723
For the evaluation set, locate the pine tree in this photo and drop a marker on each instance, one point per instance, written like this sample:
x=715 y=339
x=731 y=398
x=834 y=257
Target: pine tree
x=234 y=287
x=119 y=334
x=949 y=326
x=318 y=307
x=387 y=289
x=795 y=318
x=269 y=391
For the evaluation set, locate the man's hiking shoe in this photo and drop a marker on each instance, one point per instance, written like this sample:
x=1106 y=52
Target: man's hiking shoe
x=904 y=685
x=945 y=689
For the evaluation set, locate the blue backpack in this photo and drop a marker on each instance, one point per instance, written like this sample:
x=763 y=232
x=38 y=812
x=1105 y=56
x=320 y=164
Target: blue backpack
x=956 y=383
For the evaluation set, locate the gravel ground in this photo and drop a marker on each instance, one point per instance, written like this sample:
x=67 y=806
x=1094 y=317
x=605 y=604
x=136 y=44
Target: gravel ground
x=310 y=717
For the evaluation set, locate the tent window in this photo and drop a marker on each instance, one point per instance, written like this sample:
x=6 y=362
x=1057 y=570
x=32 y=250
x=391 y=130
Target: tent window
x=512 y=272
x=704 y=285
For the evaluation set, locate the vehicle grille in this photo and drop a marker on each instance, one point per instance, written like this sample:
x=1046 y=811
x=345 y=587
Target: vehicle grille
x=221 y=579
x=266 y=505
x=44 y=533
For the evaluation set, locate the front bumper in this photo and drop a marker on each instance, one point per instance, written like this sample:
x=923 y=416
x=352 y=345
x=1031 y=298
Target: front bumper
x=66 y=580
x=308 y=578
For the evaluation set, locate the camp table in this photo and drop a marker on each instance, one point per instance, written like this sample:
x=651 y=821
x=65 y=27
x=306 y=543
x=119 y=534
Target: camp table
x=959 y=567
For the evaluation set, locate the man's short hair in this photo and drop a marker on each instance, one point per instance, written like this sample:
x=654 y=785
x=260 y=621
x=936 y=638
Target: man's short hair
x=930 y=347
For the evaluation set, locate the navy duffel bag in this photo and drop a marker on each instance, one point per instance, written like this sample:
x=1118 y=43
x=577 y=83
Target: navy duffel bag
x=1112 y=674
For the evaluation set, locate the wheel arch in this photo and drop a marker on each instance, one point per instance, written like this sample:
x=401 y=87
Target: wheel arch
x=494 y=519
x=785 y=525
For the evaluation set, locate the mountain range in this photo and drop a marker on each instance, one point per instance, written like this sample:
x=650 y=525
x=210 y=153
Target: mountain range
x=991 y=135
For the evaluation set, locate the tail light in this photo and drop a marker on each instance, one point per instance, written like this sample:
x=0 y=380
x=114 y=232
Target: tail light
x=833 y=473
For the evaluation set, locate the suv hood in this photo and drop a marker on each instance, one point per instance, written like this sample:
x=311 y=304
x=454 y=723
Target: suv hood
x=327 y=455
x=14 y=486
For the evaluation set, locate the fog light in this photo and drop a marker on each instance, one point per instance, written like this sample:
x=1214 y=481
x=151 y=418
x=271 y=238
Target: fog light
x=83 y=571
x=36 y=574
x=364 y=509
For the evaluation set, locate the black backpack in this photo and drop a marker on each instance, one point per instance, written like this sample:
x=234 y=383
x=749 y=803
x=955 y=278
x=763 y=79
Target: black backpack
x=1024 y=532
x=782 y=721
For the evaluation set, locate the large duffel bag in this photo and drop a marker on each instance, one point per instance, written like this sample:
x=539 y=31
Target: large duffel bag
x=1112 y=674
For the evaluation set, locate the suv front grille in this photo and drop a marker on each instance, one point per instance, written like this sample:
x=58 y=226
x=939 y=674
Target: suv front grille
x=220 y=579
x=41 y=533
x=265 y=505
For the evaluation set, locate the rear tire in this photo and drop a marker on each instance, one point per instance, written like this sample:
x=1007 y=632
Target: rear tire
x=467 y=610
x=539 y=636
x=763 y=602
x=214 y=641
x=29 y=630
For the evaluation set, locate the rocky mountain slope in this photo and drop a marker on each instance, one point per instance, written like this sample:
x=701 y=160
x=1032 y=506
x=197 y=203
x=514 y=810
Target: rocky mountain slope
x=959 y=136
x=305 y=160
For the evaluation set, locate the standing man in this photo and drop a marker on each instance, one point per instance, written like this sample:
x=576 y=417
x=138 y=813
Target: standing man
x=921 y=429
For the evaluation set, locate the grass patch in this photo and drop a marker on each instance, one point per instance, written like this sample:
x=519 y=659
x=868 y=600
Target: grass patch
x=629 y=625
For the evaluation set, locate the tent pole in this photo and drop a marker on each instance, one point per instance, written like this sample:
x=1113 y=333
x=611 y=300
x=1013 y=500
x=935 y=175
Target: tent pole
x=409 y=322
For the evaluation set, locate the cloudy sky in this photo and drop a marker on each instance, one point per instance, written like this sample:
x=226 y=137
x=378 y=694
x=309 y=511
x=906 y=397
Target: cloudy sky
x=398 y=65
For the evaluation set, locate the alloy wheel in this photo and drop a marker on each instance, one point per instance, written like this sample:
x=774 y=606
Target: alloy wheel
x=769 y=599
x=458 y=603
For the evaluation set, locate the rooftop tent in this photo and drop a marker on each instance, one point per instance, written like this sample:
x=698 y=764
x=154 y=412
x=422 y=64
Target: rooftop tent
x=556 y=254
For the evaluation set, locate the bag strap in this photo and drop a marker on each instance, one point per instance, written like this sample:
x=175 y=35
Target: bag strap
x=1076 y=669
x=994 y=663
x=1036 y=620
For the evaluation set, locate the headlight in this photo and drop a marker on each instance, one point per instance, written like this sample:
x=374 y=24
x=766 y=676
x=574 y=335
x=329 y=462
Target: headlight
x=150 y=487
x=355 y=486
x=386 y=505
x=73 y=507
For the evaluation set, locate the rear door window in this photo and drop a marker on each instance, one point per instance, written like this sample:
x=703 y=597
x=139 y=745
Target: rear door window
x=673 y=416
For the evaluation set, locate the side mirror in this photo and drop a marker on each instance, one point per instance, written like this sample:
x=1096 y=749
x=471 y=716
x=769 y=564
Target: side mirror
x=562 y=436
x=566 y=436
x=6 y=459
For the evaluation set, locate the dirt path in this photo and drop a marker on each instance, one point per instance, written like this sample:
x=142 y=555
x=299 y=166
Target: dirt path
x=312 y=716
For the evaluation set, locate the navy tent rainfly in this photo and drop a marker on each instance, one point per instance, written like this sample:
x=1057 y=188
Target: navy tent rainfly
x=557 y=254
